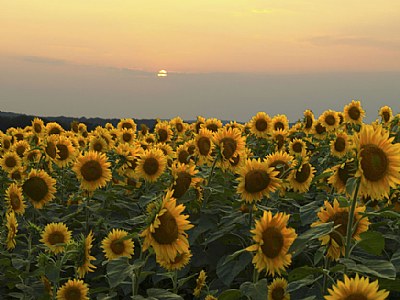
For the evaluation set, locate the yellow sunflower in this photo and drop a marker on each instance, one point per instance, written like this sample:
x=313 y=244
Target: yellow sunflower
x=319 y=130
x=55 y=234
x=18 y=174
x=65 y=152
x=73 y=290
x=93 y=170
x=386 y=114
x=212 y=124
x=180 y=261
x=330 y=120
x=166 y=231
x=340 y=144
x=297 y=147
x=273 y=239
x=151 y=164
x=341 y=173
x=300 y=179
x=261 y=124
x=230 y=142
x=379 y=162
x=353 y=112
x=50 y=148
x=6 y=142
x=53 y=128
x=14 y=199
x=183 y=175
x=356 y=288
x=38 y=126
x=200 y=283
x=277 y=290
x=163 y=132
x=308 y=121
x=127 y=124
x=98 y=144
x=10 y=161
x=279 y=137
x=84 y=264
x=127 y=136
x=32 y=156
x=257 y=180
x=178 y=125
x=182 y=154
x=12 y=228
x=116 y=245
x=280 y=122
x=21 y=147
x=281 y=162
x=204 y=147
x=39 y=187
x=335 y=241
x=196 y=126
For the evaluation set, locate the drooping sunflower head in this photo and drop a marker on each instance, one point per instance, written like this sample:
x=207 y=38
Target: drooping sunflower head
x=10 y=161
x=308 y=121
x=55 y=236
x=12 y=229
x=353 y=112
x=272 y=241
x=14 y=199
x=340 y=144
x=257 y=180
x=84 y=260
x=261 y=124
x=330 y=120
x=277 y=290
x=39 y=187
x=180 y=261
x=386 y=114
x=151 y=164
x=379 y=162
x=300 y=179
x=116 y=245
x=230 y=142
x=93 y=170
x=358 y=288
x=73 y=289
x=127 y=124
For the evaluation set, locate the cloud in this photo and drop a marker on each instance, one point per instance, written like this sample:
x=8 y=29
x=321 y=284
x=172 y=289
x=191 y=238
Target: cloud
x=361 y=41
x=42 y=60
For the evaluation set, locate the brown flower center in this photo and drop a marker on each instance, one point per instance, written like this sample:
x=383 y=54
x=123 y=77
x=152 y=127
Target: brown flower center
x=283 y=166
x=151 y=166
x=182 y=184
x=234 y=160
x=63 y=152
x=117 y=247
x=309 y=122
x=51 y=150
x=127 y=137
x=6 y=144
x=354 y=113
x=191 y=149
x=20 y=150
x=344 y=173
x=340 y=144
x=56 y=237
x=281 y=140
x=374 y=162
x=54 y=130
x=36 y=188
x=330 y=120
x=15 y=201
x=273 y=242
x=73 y=293
x=261 y=125
x=162 y=135
x=303 y=174
x=98 y=147
x=229 y=147
x=127 y=125
x=204 y=145
x=37 y=128
x=10 y=162
x=91 y=170
x=386 y=116
x=19 y=136
x=279 y=125
x=183 y=156
x=297 y=147
x=256 y=181
x=179 y=127
x=198 y=126
x=212 y=127
x=356 y=296
x=319 y=128
x=278 y=293
x=150 y=140
x=167 y=231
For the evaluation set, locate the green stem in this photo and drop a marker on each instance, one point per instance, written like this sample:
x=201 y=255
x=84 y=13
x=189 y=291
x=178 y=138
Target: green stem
x=325 y=281
x=350 y=221
x=209 y=179
x=255 y=275
x=175 y=282
x=250 y=216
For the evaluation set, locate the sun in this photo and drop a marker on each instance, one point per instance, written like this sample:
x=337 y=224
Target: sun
x=162 y=73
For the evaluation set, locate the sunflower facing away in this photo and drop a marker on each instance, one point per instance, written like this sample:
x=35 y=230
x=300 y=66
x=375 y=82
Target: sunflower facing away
x=257 y=180
x=151 y=164
x=54 y=234
x=12 y=228
x=166 y=229
x=85 y=265
x=379 y=162
x=261 y=124
x=335 y=241
x=273 y=240
x=114 y=245
x=358 y=288
x=14 y=199
x=93 y=170
x=39 y=187
x=74 y=289
x=353 y=112
x=277 y=290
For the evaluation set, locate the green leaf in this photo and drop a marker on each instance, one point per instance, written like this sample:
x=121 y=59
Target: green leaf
x=372 y=241
x=228 y=268
x=391 y=285
x=375 y=267
x=117 y=270
x=256 y=291
x=395 y=260
x=162 y=294
x=295 y=285
x=351 y=185
x=231 y=294
x=303 y=272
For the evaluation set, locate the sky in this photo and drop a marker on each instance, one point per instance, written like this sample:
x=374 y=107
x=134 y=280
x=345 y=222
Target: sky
x=225 y=59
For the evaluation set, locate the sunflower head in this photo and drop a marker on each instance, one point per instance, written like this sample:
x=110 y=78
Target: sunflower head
x=39 y=187
x=14 y=199
x=277 y=290
x=353 y=112
x=386 y=114
x=12 y=228
x=84 y=260
x=73 y=289
x=330 y=120
x=116 y=244
x=261 y=124
x=127 y=124
x=55 y=236
x=151 y=164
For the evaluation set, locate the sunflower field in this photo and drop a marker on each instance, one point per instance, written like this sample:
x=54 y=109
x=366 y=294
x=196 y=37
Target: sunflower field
x=203 y=210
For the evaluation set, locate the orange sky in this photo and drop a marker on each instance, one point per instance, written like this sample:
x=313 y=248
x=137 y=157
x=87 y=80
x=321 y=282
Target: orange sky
x=207 y=36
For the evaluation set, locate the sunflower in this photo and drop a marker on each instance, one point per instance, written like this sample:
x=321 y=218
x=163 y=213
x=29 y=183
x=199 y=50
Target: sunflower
x=204 y=146
x=281 y=162
x=379 y=162
x=353 y=112
x=18 y=174
x=257 y=180
x=73 y=290
x=19 y=134
x=116 y=245
x=65 y=152
x=196 y=126
x=151 y=164
x=180 y=261
x=10 y=161
x=308 y=121
x=55 y=234
x=163 y=132
x=98 y=144
x=200 y=283
x=183 y=175
x=50 y=147
x=356 y=288
x=178 y=125
x=150 y=138
x=237 y=162
x=12 y=228
x=93 y=170
x=280 y=122
x=212 y=124
x=297 y=147
x=230 y=142
x=39 y=187
x=386 y=114
x=261 y=124
x=6 y=142
x=277 y=290
x=144 y=130
x=166 y=230
x=319 y=130
x=82 y=127
x=14 y=199
x=53 y=128
x=300 y=179
x=182 y=154
x=32 y=156
x=85 y=264
x=341 y=173
x=127 y=136
x=38 y=126
x=20 y=148
x=279 y=137
x=340 y=144
x=127 y=124
x=234 y=124
x=330 y=120
x=273 y=240
x=335 y=241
